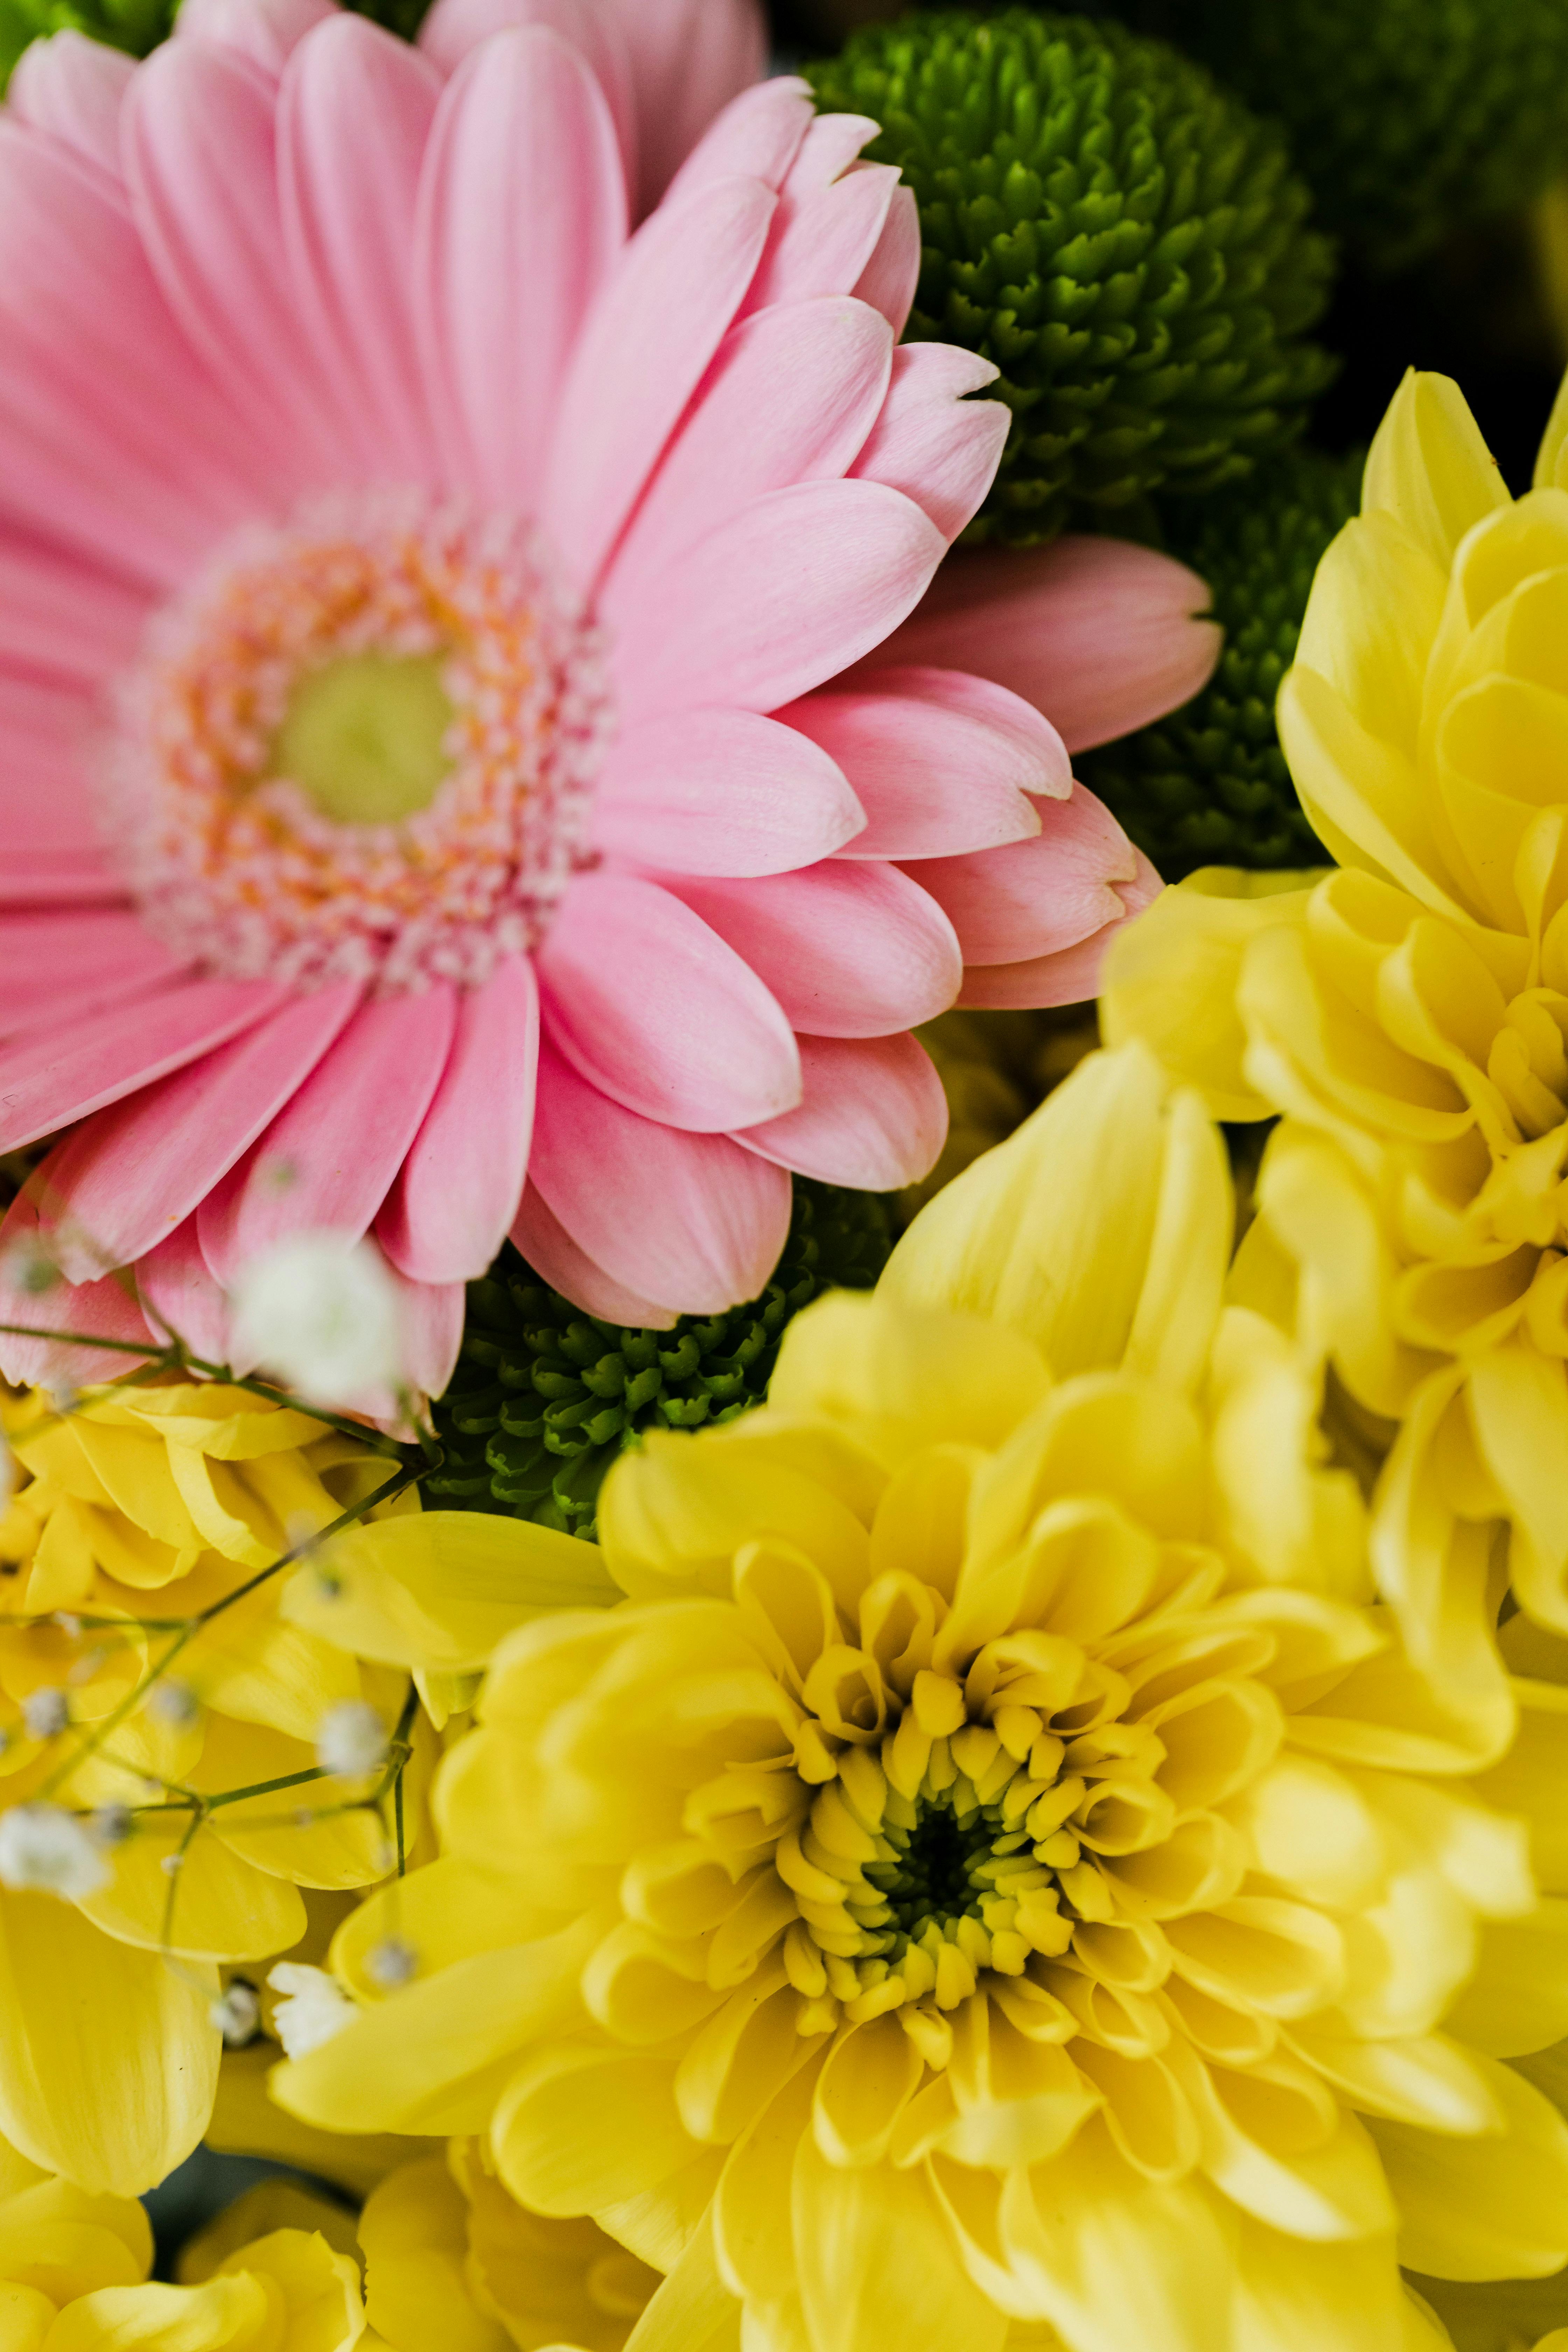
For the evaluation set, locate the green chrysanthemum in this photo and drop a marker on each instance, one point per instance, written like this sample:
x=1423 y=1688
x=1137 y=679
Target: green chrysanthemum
x=1123 y=239
x=545 y=1397
x=1209 y=786
x=1408 y=117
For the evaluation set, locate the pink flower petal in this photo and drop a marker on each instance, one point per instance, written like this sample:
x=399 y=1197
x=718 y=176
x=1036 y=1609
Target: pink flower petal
x=775 y=602
x=448 y=1214
x=73 y=89
x=790 y=397
x=432 y=1331
x=824 y=243
x=692 y=1222
x=521 y=215
x=81 y=958
x=758 y=135
x=200 y=157
x=847 y=950
x=354 y=117
x=689 y=59
x=1102 y=636
x=116 y=440
x=180 y=1297
x=942 y=763
x=653 y=1008
x=891 y=275
x=47 y=1081
x=45 y=807
x=645 y=350
x=62 y=618
x=263 y=31
x=874 y=1115
x=931 y=442
x=126 y=1177
x=1070 y=977
x=107 y=1309
x=453 y=27
x=42 y=878
x=722 y=792
x=1036 y=897
x=557 y=1260
x=330 y=1159
x=832 y=143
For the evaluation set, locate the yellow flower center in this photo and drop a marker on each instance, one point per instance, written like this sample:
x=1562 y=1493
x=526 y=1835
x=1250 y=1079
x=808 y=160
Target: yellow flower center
x=366 y=738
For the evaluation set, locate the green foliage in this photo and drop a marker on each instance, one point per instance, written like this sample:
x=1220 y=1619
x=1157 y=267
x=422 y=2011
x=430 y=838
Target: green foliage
x=1209 y=786
x=545 y=1397
x=1409 y=118
x=1125 y=240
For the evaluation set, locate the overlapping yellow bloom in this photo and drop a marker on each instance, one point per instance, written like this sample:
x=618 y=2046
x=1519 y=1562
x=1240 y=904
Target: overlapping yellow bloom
x=997 y=1880
x=131 y=1868
x=74 y=2278
x=1408 y=1016
x=453 y=2261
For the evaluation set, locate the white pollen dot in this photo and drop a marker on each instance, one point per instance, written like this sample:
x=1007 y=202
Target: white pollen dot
x=352 y=1738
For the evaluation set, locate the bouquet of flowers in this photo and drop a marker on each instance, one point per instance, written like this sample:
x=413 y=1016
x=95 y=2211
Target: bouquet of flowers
x=783 y=1157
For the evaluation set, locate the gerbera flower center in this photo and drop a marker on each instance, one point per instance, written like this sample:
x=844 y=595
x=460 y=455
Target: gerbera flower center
x=362 y=747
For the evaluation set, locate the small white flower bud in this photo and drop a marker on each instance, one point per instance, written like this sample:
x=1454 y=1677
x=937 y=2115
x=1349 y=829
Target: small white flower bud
x=392 y=1962
x=351 y=1739
x=323 y=1316
x=111 y=1824
x=236 y=2013
x=44 y=1847
x=314 y=2008
x=174 y=1703
x=46 y=1713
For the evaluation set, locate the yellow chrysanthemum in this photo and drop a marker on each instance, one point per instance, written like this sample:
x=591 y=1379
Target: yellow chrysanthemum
x=997 y=1873
x=453 y=2261
x=149 y=1674
x=74 y=2278
x=994 y=1068
x=1408 y=1016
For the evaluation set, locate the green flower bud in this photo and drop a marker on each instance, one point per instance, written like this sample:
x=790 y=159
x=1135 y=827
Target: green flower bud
x=1125 y=240
x=1209 y=786
x=545 y=1397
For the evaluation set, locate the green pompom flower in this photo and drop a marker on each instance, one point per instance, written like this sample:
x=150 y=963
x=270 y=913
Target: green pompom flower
x=545 y=1397
x=1126 y=242
x=1209 y=786
x=1409 y=118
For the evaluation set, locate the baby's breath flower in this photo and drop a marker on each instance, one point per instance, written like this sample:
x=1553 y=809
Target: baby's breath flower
x=235 y=2013
x=43 y=1847
x=314 y=2007
x=45 y=1713
x=323 y=1316
x=352 y=1740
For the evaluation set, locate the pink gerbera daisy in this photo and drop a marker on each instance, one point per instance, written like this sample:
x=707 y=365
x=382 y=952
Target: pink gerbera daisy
x=431 y=802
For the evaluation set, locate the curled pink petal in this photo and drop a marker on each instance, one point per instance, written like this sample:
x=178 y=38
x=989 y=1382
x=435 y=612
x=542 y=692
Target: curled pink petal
x=1071 y=976
x=453 y=27
x=1102 y=636
x=890 y=279
x=874 y=1115
x=942 y=763
x=939 y=448
x=1036 y=897
x=824 y=242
